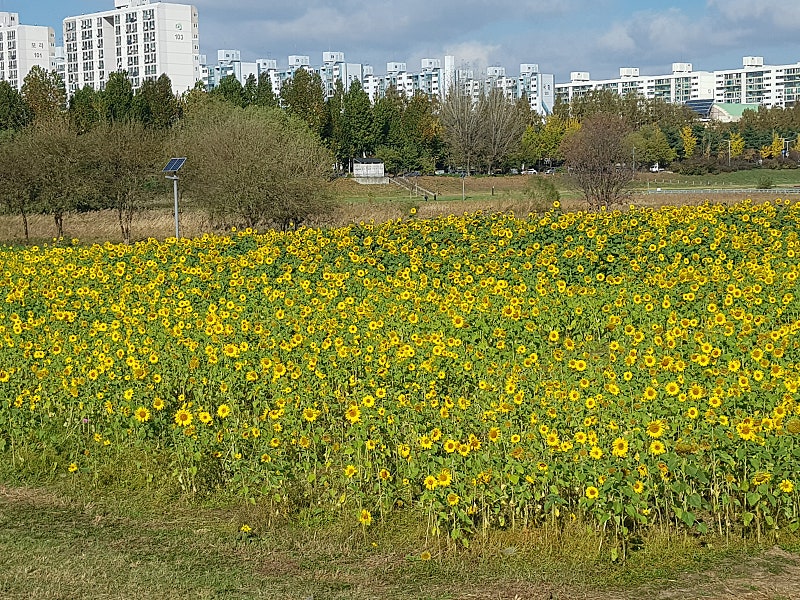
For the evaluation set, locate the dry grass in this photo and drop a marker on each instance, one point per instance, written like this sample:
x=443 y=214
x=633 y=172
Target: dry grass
x=358 y=203
x=54 y=547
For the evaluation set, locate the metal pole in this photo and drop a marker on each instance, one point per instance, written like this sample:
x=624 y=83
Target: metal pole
x=463 y=192
x=175 y=189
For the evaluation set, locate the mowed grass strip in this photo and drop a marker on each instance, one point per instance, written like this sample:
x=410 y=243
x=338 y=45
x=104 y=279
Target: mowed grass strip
x=54 y=546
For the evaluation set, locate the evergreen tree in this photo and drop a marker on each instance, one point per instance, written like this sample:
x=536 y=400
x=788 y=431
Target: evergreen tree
x=304 y=97
x=230 y=90
x=118 y=97
x=14 y=112
x=265 y=95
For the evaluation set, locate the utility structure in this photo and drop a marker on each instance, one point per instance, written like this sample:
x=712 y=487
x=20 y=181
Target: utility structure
x=173 y=166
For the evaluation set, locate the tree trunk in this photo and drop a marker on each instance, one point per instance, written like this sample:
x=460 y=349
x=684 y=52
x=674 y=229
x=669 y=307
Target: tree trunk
x=25 y=223
x=58 y=217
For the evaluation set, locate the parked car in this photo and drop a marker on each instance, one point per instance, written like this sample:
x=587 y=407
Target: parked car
x=530 y=172
x=550 y=171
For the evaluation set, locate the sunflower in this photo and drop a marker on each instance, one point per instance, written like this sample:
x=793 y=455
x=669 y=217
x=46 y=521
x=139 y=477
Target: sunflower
x=142 y=414
x=365 y=518
x=183 y=418
x=620 y=447
x=353 y=414
x=223 y=410
x=592 y=493
x=656 y=429
x=657 y=447
x=431 y=482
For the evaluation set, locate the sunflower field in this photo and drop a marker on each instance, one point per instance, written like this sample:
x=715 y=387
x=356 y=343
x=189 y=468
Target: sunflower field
x=628 y=367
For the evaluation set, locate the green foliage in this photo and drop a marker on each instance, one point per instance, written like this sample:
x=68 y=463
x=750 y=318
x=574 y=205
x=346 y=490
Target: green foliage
x=44 y=94
x=255 y=167
x=303 y=97
x=651 y=146
x=14 y=112
x=118 y=97
x=230 y=90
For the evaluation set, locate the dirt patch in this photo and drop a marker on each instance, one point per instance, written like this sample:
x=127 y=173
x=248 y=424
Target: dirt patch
x=771 y=575
x=30 y=497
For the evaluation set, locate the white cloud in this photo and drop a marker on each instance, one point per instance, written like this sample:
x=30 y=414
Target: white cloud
x=617 y=40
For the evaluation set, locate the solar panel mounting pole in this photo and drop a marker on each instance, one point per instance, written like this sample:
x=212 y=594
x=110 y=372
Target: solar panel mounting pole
x=173 y=166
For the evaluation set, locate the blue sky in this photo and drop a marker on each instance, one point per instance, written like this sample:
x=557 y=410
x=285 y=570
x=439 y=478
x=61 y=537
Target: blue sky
x=598 y=36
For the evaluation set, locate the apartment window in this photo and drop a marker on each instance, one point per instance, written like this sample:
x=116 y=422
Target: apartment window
x=69 y=26
x=131 y=17
x=148 y=14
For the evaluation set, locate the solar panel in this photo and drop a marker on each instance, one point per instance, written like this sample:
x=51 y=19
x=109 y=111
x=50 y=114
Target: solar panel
x=701 y=107
x=174 y=165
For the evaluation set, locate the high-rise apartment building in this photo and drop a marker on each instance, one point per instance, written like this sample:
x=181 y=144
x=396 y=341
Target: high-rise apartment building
x=143 y=38
x=23 y=47
x=753 y=83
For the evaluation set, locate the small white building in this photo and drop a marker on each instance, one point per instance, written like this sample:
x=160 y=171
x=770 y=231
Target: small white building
x=146 y=39
x=369 y=171
x=23 y=47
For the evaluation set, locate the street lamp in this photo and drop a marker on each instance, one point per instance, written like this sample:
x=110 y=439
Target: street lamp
x=173 y=166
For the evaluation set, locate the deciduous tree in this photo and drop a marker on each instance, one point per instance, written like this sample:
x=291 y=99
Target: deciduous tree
x=596 y=156
x=256 y=167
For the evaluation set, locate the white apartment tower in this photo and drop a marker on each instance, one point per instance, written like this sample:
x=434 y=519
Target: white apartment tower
x=146 y=39
x=23 y=47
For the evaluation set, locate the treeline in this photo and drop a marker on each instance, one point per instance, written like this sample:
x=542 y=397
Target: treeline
x=260 y=158
x=251 y=164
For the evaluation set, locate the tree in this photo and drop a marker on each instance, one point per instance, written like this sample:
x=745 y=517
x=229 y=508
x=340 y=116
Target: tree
x=651 y=145
x=304 y=97
x=86 y=109
x=155 y=105
x=118 y=97
x=596 y=156
x=14 y=112
x=230 y=90
x=357 y=116
x=689 y=141
x=543 y=142
x=462 y=128
x=256 y=166
x=124 y=161
x=774 y=149
x=736 y=145
x=56 y=160
x=265 y=96
x=502 y=124
x=250 y=90
x=44 y=94
x=18 y=189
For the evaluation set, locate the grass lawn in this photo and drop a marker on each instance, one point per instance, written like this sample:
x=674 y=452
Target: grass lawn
x=83 y=544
